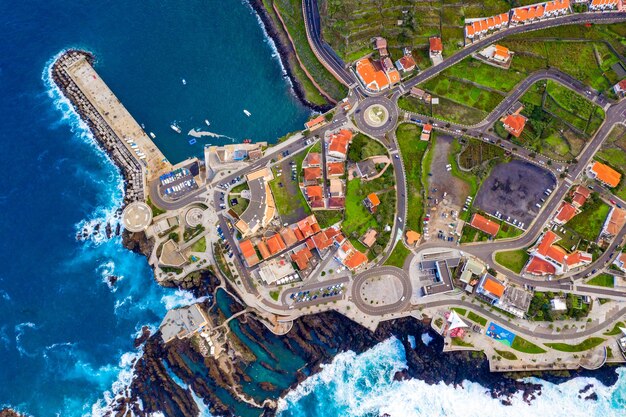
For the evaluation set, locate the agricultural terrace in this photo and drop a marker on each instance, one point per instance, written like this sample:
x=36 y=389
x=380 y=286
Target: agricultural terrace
x=291 y=14
x=589 y=62
x=559 y=121
x=349 y=25
x=613 y=153
x=412 y=150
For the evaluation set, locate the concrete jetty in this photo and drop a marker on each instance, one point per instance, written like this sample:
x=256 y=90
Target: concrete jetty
x=116 y=130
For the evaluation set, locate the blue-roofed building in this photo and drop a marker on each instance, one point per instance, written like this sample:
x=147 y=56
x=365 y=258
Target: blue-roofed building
x=240 y=155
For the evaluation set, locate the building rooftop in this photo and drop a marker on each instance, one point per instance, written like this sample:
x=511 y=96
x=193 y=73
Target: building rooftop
x=606 y=174
x=484 y=224
x=435 y=44
x=339 y=142
x=614 y=221
x=514 y=124
x=565 y=213
x=182 y=322
x=335 y=168
x=248 y=252
x=313 y=159
x=538 y=266
x=312 y=174
x=373 y=78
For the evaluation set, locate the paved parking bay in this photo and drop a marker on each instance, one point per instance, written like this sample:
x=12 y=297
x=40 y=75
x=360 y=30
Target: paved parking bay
x=514 y=189
x=313 y=288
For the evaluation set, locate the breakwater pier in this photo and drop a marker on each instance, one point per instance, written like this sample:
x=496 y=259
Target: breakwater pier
x=130 y=148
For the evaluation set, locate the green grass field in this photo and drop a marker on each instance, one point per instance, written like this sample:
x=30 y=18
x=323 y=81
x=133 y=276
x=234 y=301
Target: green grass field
x=513 y=260
x=506 y=354
x=602 y=280
x=199 y=246
x=588 y=223
x=412 y=150
x=615 y=330
x=327 y=218
x=581 y=347
x=476 y=318
x=398 y=255
x=522 y=345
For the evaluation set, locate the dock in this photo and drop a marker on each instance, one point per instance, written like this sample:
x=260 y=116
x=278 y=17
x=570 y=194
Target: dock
x=112 y=125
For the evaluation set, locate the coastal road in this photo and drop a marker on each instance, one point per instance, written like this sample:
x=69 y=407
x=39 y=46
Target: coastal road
x=312 y=22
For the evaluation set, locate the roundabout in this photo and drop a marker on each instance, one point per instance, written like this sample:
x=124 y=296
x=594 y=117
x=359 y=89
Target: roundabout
x=382 y=290
x=137 y=216
x=376 y=116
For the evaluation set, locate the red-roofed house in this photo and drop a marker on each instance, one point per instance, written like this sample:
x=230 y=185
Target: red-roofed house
x=338 y=144
x=547 y=251
x=606 y=5
x=249 y=253
x=580 y=196
x=426 y=132
x=308 y=226
x=275 y=244
x=373 y=78
x=313 y=159
x=436 y=50
x=620 y=88
x=605 y=174
x=514 y=124
x=490 y=287
x=484 y=224
x=565 y=213
x=302 y=257
x=336 y=202
x=312 y=175
x=405 y=64
x=314 y=193
x=613 y=223
x=350 y=257
x=371 y=202
x=335 y=169
x=289 y=236
x=620 y=262
x=263 y=250
x=315 y=123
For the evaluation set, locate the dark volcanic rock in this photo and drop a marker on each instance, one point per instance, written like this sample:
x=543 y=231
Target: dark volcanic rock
x=137 y=242
x=145 y=334
x=7 y=412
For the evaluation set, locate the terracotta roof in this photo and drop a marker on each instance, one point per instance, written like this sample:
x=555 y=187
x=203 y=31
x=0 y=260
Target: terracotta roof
x=502 y=52
x=565 y=213
x=373 y=199
x=546 y=241
x=369 y=238
x=381 y=43
x=622 y=85
x=275 y=244
x=606 y=174
x=319 y=203
x=339 y=141
x=248 y=252
x=616 y=220
x=312 y=174
x=355 y=260
x=313 y=122
x=577 y=258
x=514 y=124
x=308 y=226
x=324 y=239
x=265 y=252
x=407 y=62
x=335 y=168
x=394 y=76
x=374 y=79
x=314 y=192
x=482 y=223
x=493 y=286
x=301 y=258
x=469 y=30
x=412 y=237
x=435 y=44
x=313 y=158
x=427 y=128
x=289 y=236
x=538 y=266
x=581 y=194
x=299 y=234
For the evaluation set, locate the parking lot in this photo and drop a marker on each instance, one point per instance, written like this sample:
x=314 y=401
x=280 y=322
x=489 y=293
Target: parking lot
x=515 y=190
x=286 y=178
x=177 y=183
x=317 y=293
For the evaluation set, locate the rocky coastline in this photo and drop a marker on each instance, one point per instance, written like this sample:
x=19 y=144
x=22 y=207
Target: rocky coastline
x=316 y=339
x=286 y=53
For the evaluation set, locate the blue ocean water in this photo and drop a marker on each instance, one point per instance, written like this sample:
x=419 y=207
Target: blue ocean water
x=66 y=336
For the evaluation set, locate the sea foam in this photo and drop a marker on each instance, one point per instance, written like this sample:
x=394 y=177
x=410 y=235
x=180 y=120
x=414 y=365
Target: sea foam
x=362 y=385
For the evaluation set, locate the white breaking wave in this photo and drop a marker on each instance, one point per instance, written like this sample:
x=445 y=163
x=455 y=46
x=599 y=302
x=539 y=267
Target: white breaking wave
x=19 y=333
x=103 y=214
x=426 y=338
x=107 y=270
x=180 y=298
x=202 y=407
x=120 y=388
x=200 y=133
x=362 y=385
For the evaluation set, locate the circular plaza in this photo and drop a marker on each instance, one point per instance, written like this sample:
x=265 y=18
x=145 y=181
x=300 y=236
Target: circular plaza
x=137 y=216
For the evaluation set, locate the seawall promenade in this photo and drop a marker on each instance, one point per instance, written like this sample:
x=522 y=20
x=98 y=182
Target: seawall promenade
x=130 y=148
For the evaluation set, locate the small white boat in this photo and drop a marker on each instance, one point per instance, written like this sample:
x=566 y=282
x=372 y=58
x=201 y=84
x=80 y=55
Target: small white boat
x=184 y=81
x=175 y=128
x=152 y=135
x=246 y=112
x=207 y=122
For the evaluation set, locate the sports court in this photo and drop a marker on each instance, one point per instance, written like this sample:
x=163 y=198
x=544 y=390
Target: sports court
x=500 y=334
